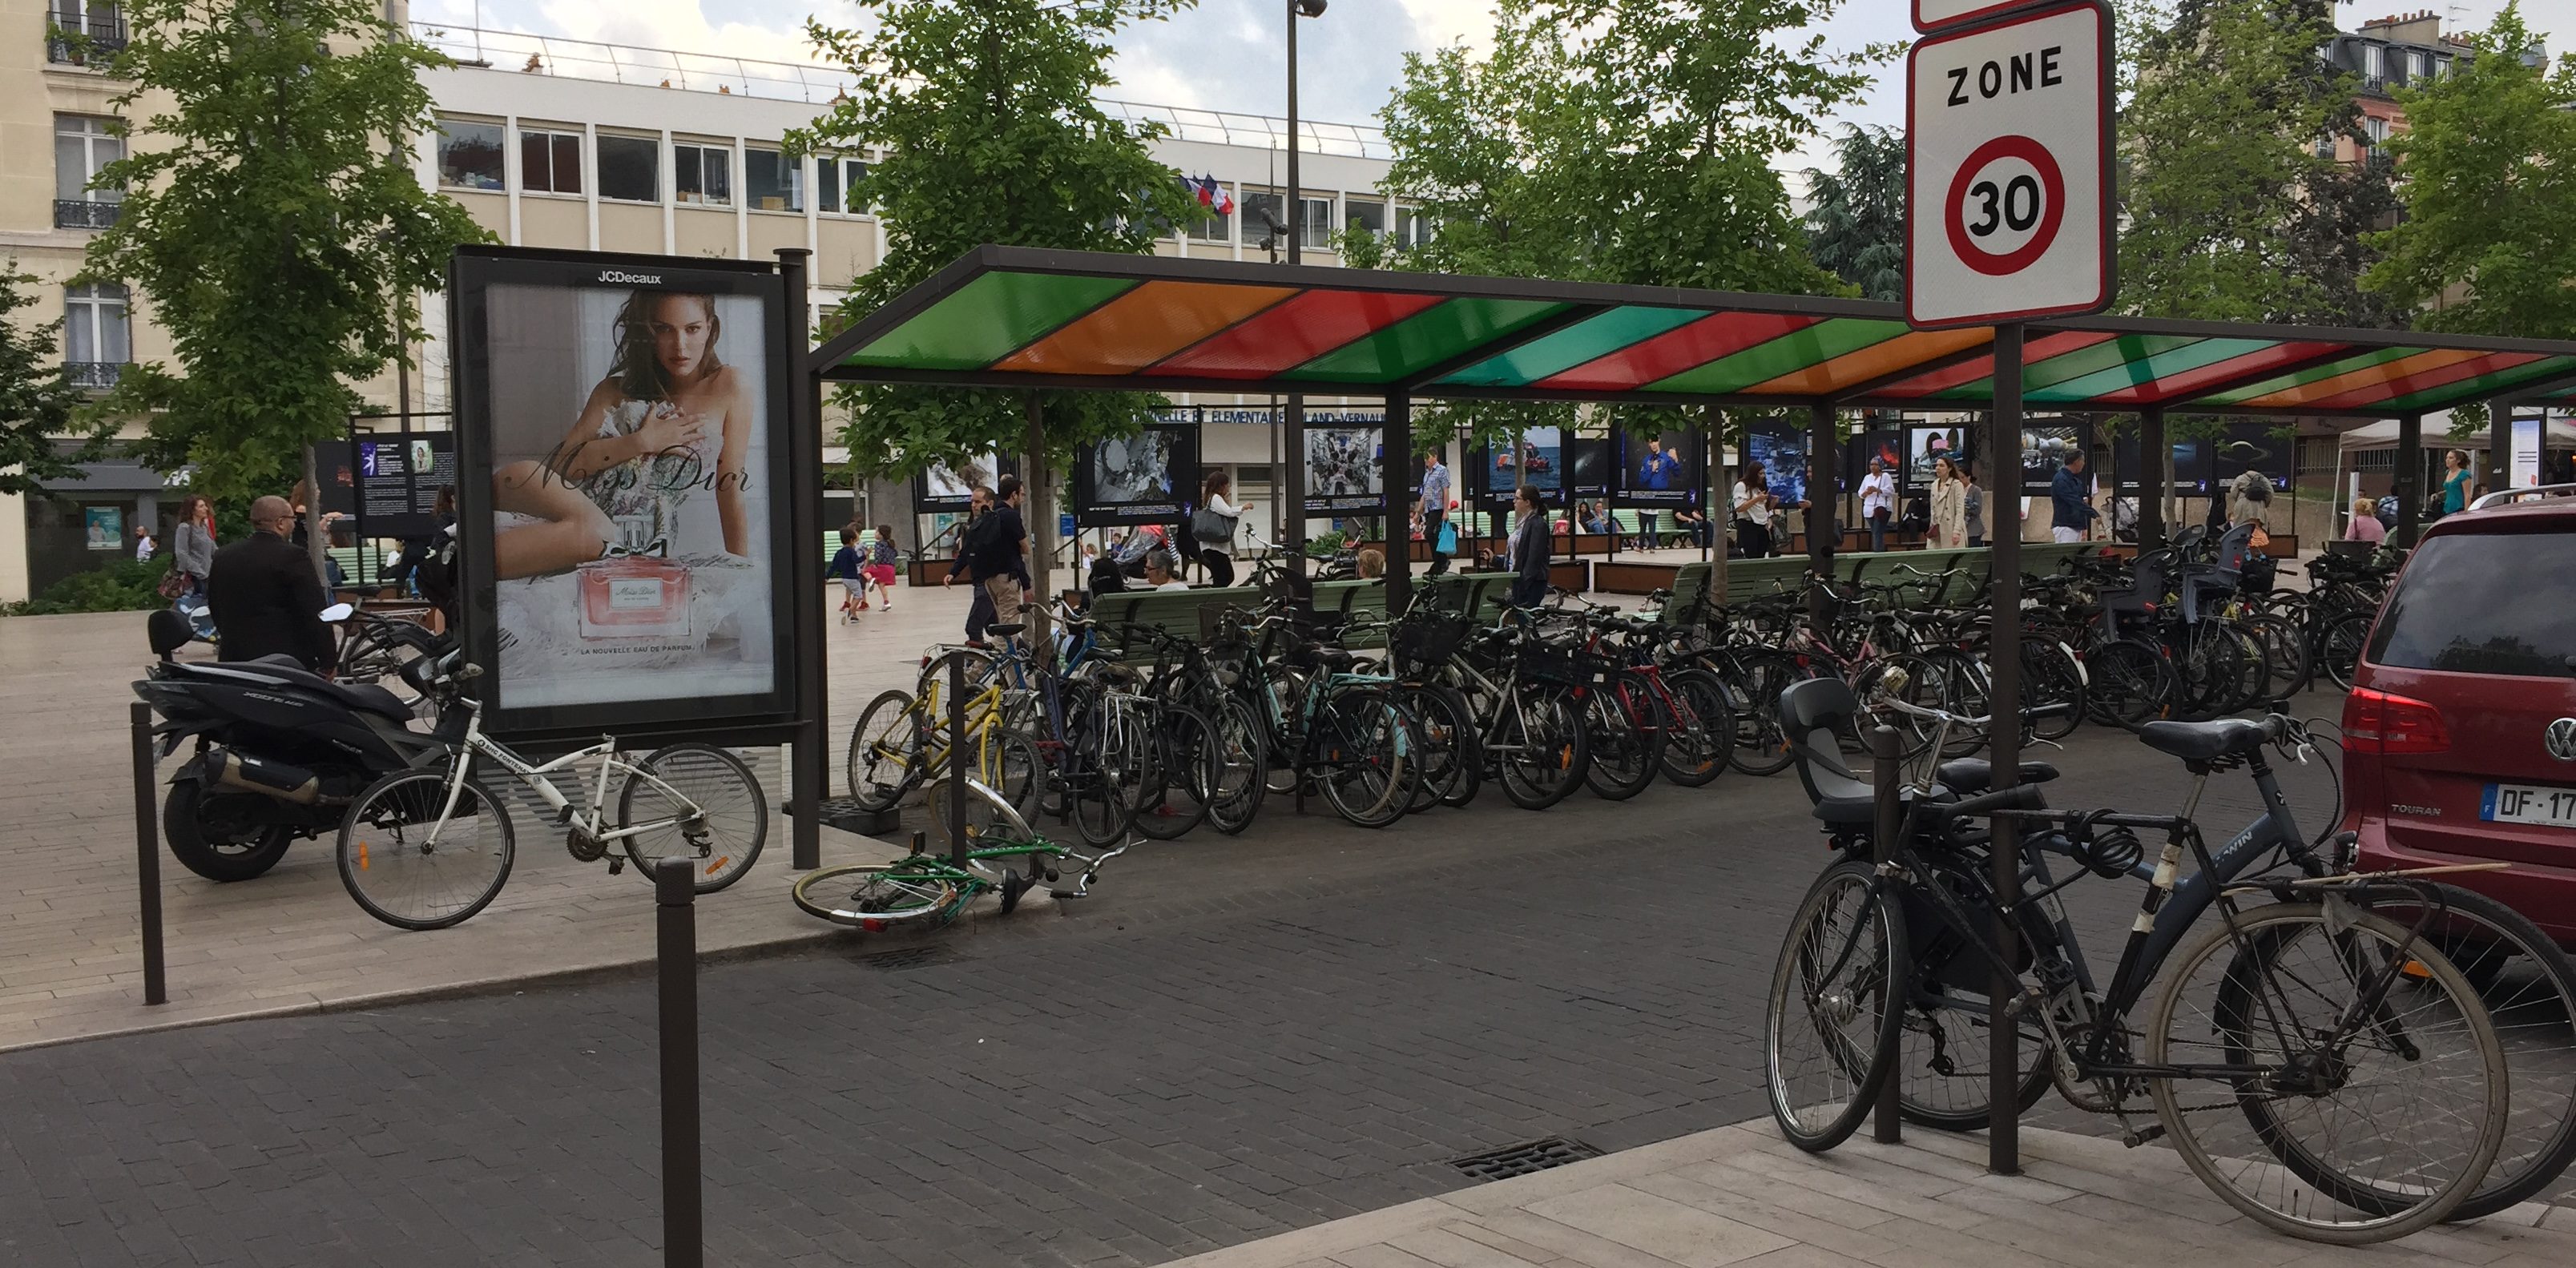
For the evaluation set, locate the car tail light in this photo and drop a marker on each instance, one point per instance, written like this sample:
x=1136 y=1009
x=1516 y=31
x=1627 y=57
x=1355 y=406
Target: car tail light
x=2377 y=722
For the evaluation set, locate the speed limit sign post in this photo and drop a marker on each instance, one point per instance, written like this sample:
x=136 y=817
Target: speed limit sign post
x=2008 y=134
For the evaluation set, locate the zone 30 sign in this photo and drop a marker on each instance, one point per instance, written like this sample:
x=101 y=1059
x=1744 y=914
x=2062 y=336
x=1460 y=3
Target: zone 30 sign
x=2008 y=168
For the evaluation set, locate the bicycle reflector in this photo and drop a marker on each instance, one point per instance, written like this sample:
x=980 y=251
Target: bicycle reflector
x=2378 y=722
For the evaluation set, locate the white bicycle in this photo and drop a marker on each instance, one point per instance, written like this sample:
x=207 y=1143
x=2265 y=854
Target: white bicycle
x=427 y=848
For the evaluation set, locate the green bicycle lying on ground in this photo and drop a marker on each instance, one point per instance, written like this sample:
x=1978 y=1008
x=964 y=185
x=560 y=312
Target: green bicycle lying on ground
x=928 y=890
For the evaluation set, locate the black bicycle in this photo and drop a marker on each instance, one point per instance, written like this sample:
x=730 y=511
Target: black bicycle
x=2313 y=1055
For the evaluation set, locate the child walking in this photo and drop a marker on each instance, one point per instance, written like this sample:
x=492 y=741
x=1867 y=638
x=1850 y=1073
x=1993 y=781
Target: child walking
x=845 y=567
x=880 y=568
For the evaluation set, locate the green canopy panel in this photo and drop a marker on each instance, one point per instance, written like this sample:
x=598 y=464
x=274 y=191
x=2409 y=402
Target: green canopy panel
x=1023 y=317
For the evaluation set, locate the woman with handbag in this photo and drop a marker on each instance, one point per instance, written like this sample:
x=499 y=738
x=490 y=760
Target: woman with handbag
x=1212 y=527
x=192 y=552
x=1949 y=507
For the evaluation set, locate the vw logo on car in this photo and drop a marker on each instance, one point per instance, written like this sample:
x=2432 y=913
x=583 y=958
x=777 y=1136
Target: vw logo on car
x=2561 y=739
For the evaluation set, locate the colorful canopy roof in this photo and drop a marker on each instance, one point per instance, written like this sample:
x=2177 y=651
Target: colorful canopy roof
x=1021 y=317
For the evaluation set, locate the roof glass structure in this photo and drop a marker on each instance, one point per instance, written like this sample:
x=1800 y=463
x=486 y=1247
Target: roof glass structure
x=1023 y=317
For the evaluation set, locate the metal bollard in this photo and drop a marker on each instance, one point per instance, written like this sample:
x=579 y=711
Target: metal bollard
x=957 y=760
x=676 y=952
x=147 y=857
x=1886 y=773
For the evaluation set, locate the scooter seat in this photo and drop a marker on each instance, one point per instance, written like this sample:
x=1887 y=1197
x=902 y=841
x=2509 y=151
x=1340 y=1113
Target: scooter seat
x=286 y=671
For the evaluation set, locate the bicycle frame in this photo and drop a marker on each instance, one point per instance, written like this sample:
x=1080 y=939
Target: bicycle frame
x=533 y=774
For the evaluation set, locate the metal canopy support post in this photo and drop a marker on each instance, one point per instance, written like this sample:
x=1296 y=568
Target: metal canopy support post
x=1395 y=450
x=807 y=774
x=2154 y=482
x=1039 y=522
x=1886 y=772
x=2410 y=478
x=2003 y=1144
x=1292 y=425
x=1822 y=536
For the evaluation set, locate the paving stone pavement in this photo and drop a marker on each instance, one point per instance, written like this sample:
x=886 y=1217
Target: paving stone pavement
x=1234 y=1039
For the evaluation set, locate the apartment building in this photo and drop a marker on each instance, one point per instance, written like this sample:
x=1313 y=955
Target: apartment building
x=553 y=143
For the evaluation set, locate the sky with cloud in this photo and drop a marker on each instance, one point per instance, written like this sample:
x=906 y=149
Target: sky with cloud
x=1228 y=54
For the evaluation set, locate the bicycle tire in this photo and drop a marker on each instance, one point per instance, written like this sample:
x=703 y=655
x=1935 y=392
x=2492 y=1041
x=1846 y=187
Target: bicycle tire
x=1543 y=754
x=1246 y=767
x=2339 y=646
x=1627 y=751
x=407 y=799
x=934 y=678
x=1944 y=966
x=1761 y=742
x=2131 y=683
x=1818 y=1122
x=2052 y=687
x=1091 y=762
x=733 y=813
x=2243 y=1011
x=997 y=797
x=1453 y=759
x=1362 y=734
x=2285 y=654
x=887 y=746
x=884 y=895
x=1180 y=776
x=1699 y=727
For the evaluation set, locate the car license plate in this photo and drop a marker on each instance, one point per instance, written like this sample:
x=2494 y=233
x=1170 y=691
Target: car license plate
x=2529 y=803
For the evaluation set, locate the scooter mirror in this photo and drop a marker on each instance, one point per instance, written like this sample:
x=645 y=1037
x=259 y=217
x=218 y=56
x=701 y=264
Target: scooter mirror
x=336 y=613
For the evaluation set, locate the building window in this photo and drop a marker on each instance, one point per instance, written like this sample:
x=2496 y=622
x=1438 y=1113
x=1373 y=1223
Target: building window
x=84 y=144
x=2419 y=66
x=1207 y=226
x=549 y=162
x=83 y=34
x=2374 y=131
x=1364 y=215
x=630 y=168
x=2441 y=68
x=1412 y=228
x=773 y=181
x=1315 y=223
x=469 y=154
x=2374 y=65
x=832 y=178
x=702 y=174
x=95 y=344
x=1263 y=220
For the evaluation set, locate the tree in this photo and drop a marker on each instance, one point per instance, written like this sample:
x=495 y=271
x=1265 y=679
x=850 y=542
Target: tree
x=2232 y=213
x=1858 y=226
x=2488 y=244
x=987 y=115
x=37 y=399
x=273 y=221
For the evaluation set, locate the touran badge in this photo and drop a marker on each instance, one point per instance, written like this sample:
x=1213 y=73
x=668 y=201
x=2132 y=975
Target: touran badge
x=2561 y=739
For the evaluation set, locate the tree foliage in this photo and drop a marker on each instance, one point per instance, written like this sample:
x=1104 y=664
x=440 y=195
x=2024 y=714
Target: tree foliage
x=2488 y=244
x=2232 y=212
x=37 y=399
x=273 y=221
x=986 y=112
x=1857 y=228
x=1616 y=141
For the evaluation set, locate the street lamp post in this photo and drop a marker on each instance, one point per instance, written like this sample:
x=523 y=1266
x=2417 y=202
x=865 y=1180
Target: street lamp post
x=1293 y=469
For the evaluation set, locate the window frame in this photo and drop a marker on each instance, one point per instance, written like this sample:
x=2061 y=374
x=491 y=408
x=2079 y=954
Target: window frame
x=1306 y=202
x=439 y=148
x=1381 y=204
x=1244 y=199
x=797 y=193
x=553 y=151
x=85 y=309
x=92 y=140
x=1413 y=227
x=698 y=152
x=652 y=147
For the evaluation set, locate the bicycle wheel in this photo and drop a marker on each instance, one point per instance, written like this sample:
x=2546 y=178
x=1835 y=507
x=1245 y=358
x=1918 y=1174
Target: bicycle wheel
x=2529 y=988
x=1699 y=729
x=1089 y=770
x=991 y=814
x=879 y=896
x=1243 y=767
x=1541 y=753
x=1180 y=773
x=1626 y=748
x=1761 y=743
x=1832 y=1017
x=933 y=680
x=2131 y=683
x=407 y=868
x=886 y=751
x=1922 y=681
x=710 y=809
x=2339 y=646
x=2052 y=687
x=1452 y=761
x=1944 y=1067
x=2358 y=1135
x=2285 y=654
x=1361 y=751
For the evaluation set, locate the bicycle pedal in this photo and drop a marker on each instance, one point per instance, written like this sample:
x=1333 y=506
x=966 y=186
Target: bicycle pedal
x=2144 y=1135
x=616 y=864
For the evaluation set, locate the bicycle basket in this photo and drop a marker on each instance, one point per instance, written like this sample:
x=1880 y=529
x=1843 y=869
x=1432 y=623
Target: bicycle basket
x=1563 y=666
x=1425 y=641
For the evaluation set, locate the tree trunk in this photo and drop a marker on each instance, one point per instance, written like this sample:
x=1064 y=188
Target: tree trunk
x=315 y=541
x=1041 y=524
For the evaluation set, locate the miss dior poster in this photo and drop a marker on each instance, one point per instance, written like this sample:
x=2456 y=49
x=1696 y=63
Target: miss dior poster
x=633 y=498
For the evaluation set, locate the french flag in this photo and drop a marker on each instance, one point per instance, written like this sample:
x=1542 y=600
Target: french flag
x=1210 y=194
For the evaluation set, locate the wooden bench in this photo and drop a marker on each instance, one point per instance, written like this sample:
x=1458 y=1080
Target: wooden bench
x=1618 y=576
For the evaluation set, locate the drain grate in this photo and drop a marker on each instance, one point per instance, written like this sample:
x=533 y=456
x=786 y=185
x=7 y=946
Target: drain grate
x=1524 y=1158
x=906 y=958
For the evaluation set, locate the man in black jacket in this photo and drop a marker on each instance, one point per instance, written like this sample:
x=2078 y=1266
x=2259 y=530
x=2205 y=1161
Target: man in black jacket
x=265 y=597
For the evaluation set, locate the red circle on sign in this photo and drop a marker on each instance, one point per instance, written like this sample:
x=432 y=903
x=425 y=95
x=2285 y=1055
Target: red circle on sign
x=2052 y=191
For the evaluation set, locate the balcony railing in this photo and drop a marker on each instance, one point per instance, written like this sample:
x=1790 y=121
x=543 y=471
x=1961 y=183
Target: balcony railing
x=96 y=376
x=84 y=40
x=82 y=213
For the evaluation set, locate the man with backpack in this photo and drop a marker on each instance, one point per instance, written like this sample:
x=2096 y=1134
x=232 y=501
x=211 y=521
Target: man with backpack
x=995 y=550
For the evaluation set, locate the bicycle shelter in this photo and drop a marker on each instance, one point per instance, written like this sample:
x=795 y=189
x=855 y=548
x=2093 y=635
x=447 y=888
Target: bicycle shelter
x=1035 y=319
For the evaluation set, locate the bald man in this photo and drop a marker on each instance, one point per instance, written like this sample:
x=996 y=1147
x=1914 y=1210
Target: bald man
x=272 y=602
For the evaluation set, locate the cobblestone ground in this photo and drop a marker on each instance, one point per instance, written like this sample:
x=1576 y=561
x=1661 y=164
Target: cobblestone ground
x=1235 y=1038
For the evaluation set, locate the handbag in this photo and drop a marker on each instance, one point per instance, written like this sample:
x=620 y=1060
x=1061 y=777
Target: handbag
x=174 y=583
x=1448 y=538
x=1208 y=526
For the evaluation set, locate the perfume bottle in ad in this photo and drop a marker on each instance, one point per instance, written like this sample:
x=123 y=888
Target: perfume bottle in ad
x=634 y=596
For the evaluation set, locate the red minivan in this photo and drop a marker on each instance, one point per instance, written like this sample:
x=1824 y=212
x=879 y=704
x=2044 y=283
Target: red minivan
x=2460 y=732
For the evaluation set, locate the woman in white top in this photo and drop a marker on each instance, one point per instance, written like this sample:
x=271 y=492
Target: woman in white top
x=1949 y=506
x=1753 y=511
x=1217 y=554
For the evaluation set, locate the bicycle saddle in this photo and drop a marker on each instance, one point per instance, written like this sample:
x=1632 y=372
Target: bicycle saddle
x=1976 y=774
x=1006 y=629
x=2205 y=741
